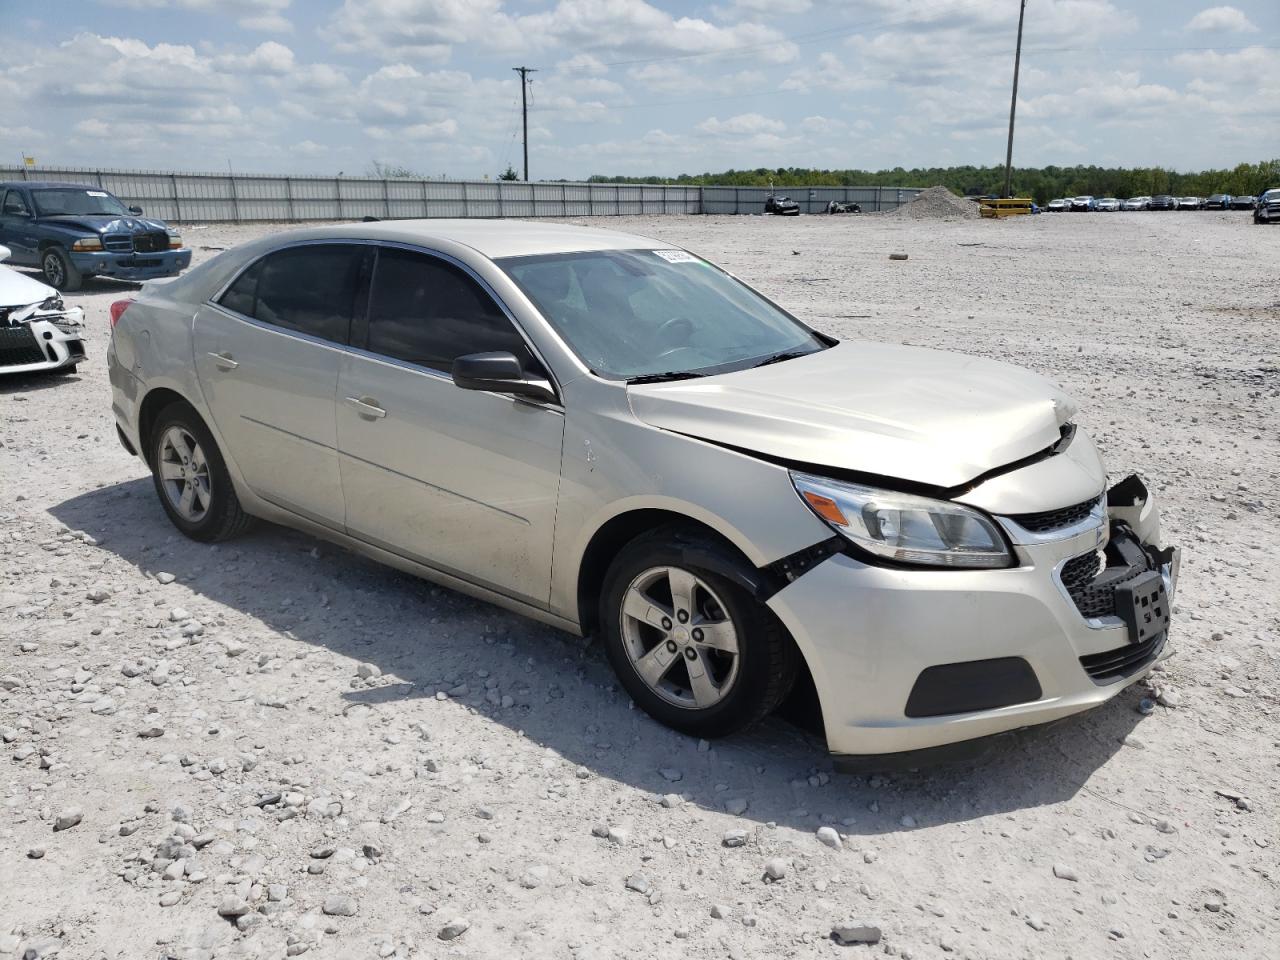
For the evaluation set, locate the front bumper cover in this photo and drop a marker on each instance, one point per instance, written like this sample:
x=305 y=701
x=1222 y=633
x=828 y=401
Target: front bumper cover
x=42 y=342
x=132 y=266
x=869 y=632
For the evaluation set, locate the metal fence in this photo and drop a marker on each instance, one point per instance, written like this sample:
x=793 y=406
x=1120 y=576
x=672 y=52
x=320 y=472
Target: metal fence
x=197 y=197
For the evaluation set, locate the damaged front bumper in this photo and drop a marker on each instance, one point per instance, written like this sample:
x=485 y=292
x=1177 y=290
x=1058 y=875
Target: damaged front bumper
x=907 y=660
x=35 y=339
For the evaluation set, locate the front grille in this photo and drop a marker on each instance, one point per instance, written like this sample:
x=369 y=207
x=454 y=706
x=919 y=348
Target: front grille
x=1123 y=661
x=150 y=242
x=118 y=243
x=18 y=347
x=1049 y=520
x=1079 y=576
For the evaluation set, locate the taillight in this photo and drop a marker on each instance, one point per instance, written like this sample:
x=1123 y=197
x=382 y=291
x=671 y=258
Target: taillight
x=117 y=310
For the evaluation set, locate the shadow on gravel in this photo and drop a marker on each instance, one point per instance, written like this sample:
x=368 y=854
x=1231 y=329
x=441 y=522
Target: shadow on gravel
x=25 y=383
x=426 y=638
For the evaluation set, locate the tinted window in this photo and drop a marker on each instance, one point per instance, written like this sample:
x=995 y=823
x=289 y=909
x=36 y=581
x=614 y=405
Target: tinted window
x=14 y=204
x=241 y=294
x=311 y=289
x=77 y=201
x=429 y=312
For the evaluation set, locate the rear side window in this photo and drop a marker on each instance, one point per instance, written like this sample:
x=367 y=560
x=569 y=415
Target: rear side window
x=426 y=311
x=311 y=289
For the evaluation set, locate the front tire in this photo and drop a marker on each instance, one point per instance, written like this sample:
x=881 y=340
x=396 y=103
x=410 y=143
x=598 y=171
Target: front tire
x=191 y=477
x=693 y=648
x=59 y=271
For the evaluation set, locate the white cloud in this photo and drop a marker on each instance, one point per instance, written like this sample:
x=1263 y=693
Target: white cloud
x=744 y=124
x=1221 y=19
x=267 y=16
x=430 y=29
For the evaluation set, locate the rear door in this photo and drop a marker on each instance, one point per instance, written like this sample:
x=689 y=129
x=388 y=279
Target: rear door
x=462 y=480
x=267 y=355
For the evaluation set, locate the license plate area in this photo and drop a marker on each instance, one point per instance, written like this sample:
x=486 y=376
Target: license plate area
x=1143 y=605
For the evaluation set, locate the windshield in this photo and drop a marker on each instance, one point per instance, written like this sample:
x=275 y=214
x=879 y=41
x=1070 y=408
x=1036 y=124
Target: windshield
x=641 y=313
x=77 y=201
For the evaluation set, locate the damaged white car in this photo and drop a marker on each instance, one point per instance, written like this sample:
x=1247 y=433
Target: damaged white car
x=37 y=331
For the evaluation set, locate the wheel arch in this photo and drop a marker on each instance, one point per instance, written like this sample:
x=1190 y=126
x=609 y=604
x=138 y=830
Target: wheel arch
x=155 y=401
x=726 y=559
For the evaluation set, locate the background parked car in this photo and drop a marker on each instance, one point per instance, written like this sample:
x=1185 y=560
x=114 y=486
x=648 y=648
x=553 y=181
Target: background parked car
x=71 y=231
x=1058 y=206
x=1243 y=203
x=38 y=332
x=1189 y=203
x=1219 y=201
x=1108 y=204
x=1163 y=201
x=1136 y=203
x=1268 y=208
x=782 y=206
x=1083 y=204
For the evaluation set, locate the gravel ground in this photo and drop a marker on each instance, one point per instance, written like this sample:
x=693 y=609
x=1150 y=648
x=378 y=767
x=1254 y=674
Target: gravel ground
x=272 y=747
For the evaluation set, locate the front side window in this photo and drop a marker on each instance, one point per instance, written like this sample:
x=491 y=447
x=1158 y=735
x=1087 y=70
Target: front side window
x=645 y=313
x=14 y=205
x=426 y=311
x=311 y=289
x=77 y=202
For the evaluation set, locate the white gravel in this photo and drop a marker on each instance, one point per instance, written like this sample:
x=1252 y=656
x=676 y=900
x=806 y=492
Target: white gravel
x=241 y=709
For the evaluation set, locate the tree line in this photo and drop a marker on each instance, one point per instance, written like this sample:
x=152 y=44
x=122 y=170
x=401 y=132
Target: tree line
x=1040 y=183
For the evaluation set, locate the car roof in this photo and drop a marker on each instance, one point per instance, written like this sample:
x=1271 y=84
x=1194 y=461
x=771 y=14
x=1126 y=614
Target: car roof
x=490 y=238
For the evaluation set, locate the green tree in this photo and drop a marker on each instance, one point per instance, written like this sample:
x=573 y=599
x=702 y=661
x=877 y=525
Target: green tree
x=509 y=173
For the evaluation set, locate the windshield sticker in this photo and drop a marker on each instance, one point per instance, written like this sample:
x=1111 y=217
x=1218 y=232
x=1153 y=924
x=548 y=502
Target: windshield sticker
x=676 y=256
x=95 y=193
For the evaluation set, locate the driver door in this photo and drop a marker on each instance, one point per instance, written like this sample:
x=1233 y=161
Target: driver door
x=464 y=481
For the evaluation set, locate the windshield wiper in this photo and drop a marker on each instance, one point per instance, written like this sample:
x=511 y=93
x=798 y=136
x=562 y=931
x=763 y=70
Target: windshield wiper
x=779 y=357
x=663 y=377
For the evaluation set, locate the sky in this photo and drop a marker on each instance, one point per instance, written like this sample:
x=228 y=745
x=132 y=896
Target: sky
x=634 y=87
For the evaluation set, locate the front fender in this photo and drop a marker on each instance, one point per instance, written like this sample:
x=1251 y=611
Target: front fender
x=612 y=464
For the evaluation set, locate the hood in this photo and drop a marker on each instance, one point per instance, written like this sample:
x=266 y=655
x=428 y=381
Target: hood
x=921 y=415
x=19 y=290
x=108 y=223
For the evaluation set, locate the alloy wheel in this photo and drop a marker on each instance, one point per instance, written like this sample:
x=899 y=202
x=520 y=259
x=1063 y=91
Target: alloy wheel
x=54 y=271
x=679 y=637
x=184 y=472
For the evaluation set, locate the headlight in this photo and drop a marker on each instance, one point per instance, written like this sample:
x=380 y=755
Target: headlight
x=903 y=527
x=175 y=240
x=87 y=243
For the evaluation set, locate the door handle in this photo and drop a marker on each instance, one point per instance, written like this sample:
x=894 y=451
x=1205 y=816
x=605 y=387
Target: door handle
x=367 y=407
x=224 y=361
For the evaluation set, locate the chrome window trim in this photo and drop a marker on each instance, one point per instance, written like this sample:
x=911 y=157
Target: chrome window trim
x=393 y=361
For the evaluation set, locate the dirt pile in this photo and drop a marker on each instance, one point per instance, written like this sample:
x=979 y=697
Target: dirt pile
x=937 y=203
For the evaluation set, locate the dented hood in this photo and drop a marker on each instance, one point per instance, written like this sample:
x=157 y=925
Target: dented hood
x=922 y=415
x=19 y=290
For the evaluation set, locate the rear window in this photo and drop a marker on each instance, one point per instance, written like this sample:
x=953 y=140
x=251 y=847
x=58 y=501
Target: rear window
x=310 y=289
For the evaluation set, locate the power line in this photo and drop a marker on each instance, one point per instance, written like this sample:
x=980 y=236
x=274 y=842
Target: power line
x=524 y=112
x=1013 y=101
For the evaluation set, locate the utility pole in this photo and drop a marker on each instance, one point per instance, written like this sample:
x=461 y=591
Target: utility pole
x=1013 y=104
x=524 y=111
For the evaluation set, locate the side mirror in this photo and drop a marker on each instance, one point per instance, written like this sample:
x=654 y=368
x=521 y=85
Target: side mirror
x=136 y=211
x=501 y=373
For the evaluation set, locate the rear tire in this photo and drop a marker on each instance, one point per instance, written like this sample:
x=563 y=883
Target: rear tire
x=59 y=271
x=191 y=477
x=669 y=625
